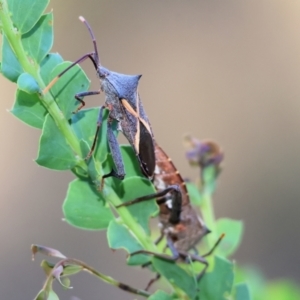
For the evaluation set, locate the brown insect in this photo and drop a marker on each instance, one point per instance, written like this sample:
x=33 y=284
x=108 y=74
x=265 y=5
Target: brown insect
x=179 y=222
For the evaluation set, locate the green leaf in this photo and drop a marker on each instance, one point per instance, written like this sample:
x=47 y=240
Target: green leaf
x=42 y=295
x=10 y=67
x=241 y=292
x=71 y=270
x=160 y=295
x=176 y=275
x=71 y=83
x=38 y=41
x=50 y=61
x=54 y=151
x=84 y=124
x=195 y=196
x=28 y=84
x=233 y=230
x=119 y=237
x=255 y=278
x=131 y=163
x=217 y=284
x=47 y=266
x=65 y=282
x=135 y=187
x=85 y=208
x=29 y=109
x=26 y=13
x=52 y=296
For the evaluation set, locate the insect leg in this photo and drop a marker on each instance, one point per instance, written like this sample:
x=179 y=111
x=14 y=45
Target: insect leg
x=171 y=188
x=159 y=239
x=79 y=97
x=140 y=199
x=99 y=122
x=116 y=155
x=132 y=290
x=156 y=242
x=152 y=281
x=176 y=201
x=215 y=245
x=81 y=59
x=174 y=251
x=159 y=255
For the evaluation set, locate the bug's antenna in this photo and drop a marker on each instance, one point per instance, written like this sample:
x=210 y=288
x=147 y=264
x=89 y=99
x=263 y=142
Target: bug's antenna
x=96 y=56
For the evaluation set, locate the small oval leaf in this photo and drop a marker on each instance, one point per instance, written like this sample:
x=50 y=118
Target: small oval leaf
x=28 y=84
x=10 y=66
x=38 y=41
x=233 y=230
x=217 y=284
x=242 y=292
x=50 y=61
x=64 y=90
x=85 y=208
x=119 y=237
x=174 y=273
x=26 y=13
x=54 y=151
x=29 y=109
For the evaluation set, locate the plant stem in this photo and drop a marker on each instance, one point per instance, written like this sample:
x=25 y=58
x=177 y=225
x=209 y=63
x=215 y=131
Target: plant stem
x=91 y=270
x=209 y=218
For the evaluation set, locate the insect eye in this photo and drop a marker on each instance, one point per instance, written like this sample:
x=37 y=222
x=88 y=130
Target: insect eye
x=103 y=75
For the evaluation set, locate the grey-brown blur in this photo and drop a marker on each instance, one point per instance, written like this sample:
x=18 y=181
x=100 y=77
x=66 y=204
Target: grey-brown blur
x=227 y=70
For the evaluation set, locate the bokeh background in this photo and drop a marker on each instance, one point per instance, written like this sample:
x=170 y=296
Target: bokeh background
x=227 y=70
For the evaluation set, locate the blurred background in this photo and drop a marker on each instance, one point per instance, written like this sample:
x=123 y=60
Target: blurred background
x=226 y=70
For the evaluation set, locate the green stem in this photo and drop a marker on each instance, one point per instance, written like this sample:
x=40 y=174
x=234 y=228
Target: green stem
x=209 y=218
x=14 y=39
x=91 y=270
